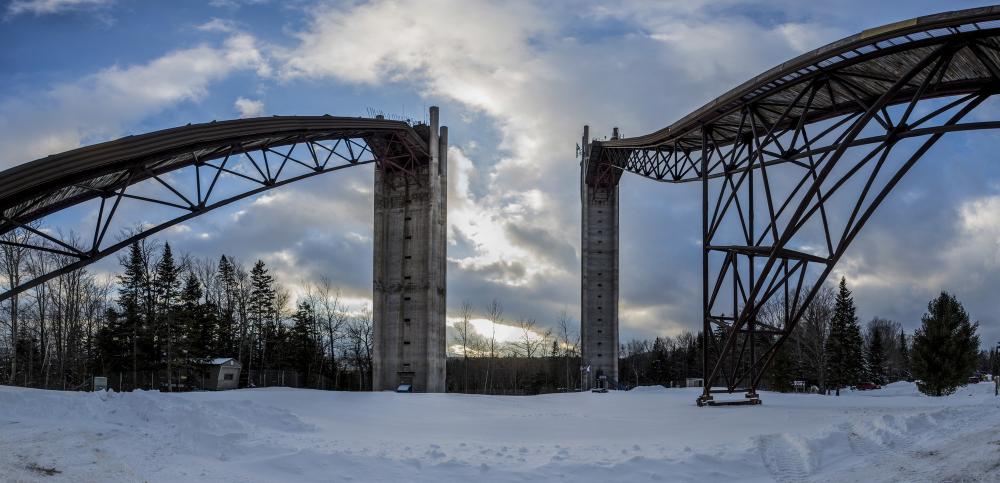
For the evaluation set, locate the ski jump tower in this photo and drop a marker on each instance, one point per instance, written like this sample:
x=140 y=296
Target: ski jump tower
x=599 y=289
x=409 y=266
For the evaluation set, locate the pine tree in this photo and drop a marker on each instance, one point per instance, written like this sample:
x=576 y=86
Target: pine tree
x=226 y=276
x=843 y=345
x=876 y=358
x=262 y=311
x=305 y=345
x=132 y=330
x=167 y=288
x=780 y=373
x=945 y=347
x=660 y=363
x=113 y=344
x=197 y=323
x=904 y=356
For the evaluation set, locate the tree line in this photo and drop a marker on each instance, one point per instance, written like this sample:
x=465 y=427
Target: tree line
x=534 y=361
x=157 y=322
x=154 y=324
x=830 y=350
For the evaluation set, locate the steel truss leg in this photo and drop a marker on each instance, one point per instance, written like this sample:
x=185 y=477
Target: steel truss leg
x=771 y=283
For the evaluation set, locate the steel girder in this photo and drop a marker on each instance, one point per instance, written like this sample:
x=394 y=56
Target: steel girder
x=185 y=171
x=795 y=162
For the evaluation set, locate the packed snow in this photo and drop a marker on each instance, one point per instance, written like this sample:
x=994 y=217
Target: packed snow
x=647 y=434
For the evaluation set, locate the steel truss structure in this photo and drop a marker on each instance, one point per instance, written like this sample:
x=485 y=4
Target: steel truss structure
x=795 y=162
x=185 y=172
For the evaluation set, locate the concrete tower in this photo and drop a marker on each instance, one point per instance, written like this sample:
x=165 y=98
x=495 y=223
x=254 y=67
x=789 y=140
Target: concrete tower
x=599 y=293
x=409 y=293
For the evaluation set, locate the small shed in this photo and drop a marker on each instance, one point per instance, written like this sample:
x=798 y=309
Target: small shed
x=220 y=374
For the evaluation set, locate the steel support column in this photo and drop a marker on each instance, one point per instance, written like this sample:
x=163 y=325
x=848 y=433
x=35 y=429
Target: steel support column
x=795 y=162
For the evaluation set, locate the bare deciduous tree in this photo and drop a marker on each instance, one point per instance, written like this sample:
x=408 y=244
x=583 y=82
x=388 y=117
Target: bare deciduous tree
x=494 y=313
x=568 y=341
x=360 y=332
x=464 y=334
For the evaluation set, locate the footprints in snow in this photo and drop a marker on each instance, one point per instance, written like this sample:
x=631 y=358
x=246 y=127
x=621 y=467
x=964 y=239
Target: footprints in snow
x=786 y=457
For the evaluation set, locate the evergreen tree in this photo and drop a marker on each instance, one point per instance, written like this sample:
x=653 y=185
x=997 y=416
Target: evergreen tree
x=167 y=288
x=876 y=358
x=197 y=322
x=305 y=346
x=660 y=363
x=226 y=277
x=263 y=314
x=843 y=345
x=694 y=369
x=781 y=371
x=945 y=347
x=904 y=356
x=132 y=328
x=113 y=344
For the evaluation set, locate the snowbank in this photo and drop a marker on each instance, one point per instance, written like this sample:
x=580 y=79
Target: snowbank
x=893 y=434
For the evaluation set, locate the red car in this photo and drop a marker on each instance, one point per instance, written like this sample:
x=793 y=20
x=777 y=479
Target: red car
x=867 y=386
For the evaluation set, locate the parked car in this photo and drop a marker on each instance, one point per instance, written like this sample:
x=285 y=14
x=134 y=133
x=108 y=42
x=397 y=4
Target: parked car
x=867 y=386
x=975 y=380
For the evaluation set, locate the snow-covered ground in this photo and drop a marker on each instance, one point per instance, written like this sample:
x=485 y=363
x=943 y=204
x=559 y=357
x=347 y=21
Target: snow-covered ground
x=648 y=434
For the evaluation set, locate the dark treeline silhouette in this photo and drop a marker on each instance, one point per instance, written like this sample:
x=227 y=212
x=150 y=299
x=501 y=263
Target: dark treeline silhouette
x=830 y=350
x=533 y=361
x=155 y=324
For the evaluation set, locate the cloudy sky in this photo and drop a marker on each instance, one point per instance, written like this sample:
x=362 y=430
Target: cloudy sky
x=516 y=81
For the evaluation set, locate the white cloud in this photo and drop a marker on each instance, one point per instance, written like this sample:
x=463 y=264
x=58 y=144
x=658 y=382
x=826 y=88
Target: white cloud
x=234 y=4
x=249 y=107
x=514 y=62
x=99 y=106
x=525 y=68
x=485 y=66
x=504 y=333
x=219 y=25
x=45 y=7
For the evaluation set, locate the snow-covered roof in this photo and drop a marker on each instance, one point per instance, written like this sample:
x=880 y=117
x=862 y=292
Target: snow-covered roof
x=219 y=361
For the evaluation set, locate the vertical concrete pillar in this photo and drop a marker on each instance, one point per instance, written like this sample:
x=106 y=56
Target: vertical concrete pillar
x=599 y=284
x=409 y=270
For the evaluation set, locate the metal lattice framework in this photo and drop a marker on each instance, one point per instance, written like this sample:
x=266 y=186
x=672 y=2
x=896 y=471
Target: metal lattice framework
x=183 y=172
x=794 y=162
